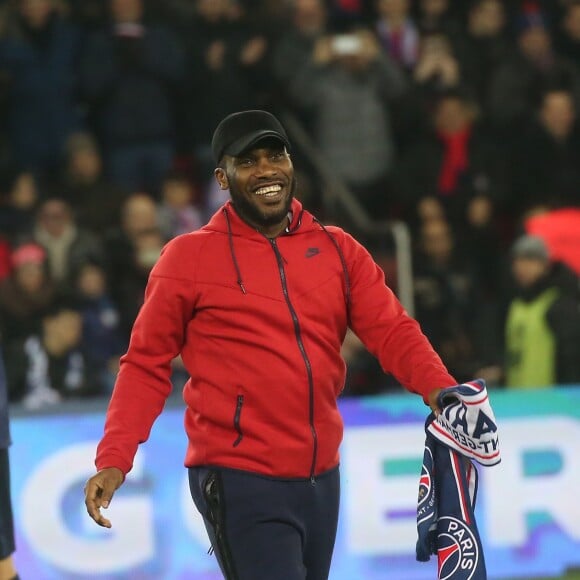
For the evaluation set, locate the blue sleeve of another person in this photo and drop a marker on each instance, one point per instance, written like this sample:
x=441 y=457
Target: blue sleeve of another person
x=4 y=429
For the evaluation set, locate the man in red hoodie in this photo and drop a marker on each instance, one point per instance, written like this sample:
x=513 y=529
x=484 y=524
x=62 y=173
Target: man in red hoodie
x=257 y=303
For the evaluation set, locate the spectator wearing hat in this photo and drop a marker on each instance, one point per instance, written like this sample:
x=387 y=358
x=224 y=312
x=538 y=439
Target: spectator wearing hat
x=542 y=327
x=25 y=294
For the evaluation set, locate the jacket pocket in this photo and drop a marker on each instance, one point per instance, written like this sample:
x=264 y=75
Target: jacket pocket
x=238 y=420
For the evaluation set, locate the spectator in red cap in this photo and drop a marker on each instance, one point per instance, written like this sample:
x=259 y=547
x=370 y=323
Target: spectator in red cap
x=25 y=293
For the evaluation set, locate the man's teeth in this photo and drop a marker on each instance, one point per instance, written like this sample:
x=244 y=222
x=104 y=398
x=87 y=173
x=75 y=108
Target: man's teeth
x=268 y=191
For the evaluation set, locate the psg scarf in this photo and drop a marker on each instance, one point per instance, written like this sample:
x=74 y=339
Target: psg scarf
x=445 y=514
x=465 y=430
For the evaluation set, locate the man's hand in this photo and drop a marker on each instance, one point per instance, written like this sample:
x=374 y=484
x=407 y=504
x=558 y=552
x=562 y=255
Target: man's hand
x=432 y=400
x=99 y=491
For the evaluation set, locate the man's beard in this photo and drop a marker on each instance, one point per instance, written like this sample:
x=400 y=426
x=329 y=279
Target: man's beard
x=252 y=214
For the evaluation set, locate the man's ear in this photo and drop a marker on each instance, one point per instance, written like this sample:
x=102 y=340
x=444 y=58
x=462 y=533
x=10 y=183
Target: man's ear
x=221 y=178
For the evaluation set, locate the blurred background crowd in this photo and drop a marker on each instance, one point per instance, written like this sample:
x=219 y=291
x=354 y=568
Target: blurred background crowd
x=456 y=118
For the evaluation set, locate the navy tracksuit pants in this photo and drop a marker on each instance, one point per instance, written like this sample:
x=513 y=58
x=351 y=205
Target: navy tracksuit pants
x=264 y=528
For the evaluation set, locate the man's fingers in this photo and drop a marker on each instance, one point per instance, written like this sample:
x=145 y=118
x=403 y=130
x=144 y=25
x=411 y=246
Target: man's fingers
x=94 y=501
x=434 y=401
x=99 y=491
x=103 y=521
x=96 y=515
x=106 y=497
x=93 y=505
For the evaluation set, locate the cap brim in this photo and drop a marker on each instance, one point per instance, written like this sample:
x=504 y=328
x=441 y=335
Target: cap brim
x=247 y=141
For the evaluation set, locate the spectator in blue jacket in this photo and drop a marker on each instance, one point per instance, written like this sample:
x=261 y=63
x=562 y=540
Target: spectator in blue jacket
x=38 y=52
x=129 y=72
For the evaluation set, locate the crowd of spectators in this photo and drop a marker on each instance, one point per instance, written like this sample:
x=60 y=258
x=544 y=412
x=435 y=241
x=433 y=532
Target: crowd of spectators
x=459 y=118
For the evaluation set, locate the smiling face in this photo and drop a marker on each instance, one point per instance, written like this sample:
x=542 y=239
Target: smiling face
x=261 y=184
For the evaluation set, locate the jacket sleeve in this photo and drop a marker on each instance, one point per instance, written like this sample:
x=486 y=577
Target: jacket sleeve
x=387 y=331
x=144 y=380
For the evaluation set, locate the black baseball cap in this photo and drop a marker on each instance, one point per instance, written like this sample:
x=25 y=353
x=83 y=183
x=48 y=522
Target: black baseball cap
x=237 y=132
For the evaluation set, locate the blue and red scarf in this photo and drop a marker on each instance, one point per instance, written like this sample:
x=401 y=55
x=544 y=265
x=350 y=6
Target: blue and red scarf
x=446 y=523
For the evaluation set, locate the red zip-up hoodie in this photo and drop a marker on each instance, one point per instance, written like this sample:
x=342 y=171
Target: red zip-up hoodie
x=259 y=323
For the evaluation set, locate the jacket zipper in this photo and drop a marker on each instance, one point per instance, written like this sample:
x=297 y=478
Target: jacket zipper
x=237 y=417
x=298 y=334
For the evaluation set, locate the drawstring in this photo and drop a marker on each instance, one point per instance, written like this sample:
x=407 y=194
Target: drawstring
x=240 y=281
x=343 y=262
x=233 y=252
x=290 y=229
